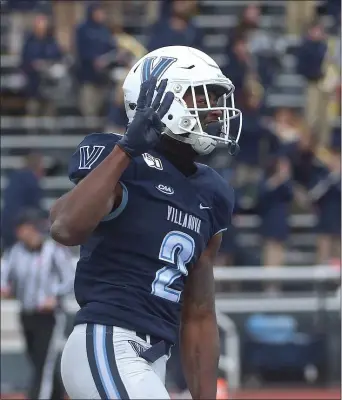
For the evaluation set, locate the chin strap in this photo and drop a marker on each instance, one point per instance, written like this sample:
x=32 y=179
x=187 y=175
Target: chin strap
x=214 y=128
x=233 y=148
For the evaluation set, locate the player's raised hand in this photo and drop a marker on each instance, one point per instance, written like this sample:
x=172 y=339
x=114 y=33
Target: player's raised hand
x=145 y=130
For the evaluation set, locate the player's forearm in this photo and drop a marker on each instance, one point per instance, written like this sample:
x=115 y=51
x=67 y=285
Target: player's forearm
x=78 y=213
x=200 y=355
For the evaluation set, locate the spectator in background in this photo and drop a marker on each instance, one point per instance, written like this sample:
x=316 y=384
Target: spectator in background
x=248 y=22
x=177 y=28
x=312 y=65
x=23 y=190
x=117 y=119
x=253 y=129
x=246 y=27
x=238 y=64
x=290 y=133
x=39 y=53
x=129 y=51
x=248 y=92
x=331 y=83
x=94 y=45
x=275 y=197
x=38 y=273
x=247 y=170
x=261 y=45
x=318 y=171
x=325 y=193
x=22 y=16
x=66 y=14
x=299 y=15
x=331 y=8
x=287 y=128
x=302 y=160
x=240 y=69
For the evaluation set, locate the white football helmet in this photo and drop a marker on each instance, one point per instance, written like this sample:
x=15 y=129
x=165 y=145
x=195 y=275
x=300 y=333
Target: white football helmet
x=187 y=68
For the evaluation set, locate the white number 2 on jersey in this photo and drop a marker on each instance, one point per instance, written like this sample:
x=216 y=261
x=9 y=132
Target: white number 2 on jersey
x=177 y=249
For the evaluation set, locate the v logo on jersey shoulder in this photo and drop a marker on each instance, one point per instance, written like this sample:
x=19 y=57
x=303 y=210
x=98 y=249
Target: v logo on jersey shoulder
x=89 y=155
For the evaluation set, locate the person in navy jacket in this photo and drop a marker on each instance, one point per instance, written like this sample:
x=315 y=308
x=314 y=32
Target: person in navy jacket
x=175 y=27
x=319 y=172
x=325 y=193
x=23 y=190
x=311 y=64
x=40 y=50
x=95 y=45
x=275 y=197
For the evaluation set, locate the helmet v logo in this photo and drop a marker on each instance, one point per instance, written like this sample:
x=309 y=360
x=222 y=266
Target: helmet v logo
x=148 y=69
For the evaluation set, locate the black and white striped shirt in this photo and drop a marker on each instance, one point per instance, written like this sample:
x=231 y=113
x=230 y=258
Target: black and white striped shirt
x=33 y=276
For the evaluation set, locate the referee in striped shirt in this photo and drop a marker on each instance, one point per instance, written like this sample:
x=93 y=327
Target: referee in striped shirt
x=38 y=272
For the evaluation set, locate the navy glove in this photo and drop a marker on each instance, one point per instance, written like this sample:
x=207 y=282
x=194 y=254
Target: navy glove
x=145 y=130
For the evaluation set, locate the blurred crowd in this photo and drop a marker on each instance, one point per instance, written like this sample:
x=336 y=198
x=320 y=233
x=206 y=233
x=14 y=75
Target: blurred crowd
x=289 y=160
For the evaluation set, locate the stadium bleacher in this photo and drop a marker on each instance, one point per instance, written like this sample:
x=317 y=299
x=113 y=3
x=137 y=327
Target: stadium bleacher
x=19 y=133
x=215 y=18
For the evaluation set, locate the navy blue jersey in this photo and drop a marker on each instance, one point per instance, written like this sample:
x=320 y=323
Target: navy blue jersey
x=133 y=268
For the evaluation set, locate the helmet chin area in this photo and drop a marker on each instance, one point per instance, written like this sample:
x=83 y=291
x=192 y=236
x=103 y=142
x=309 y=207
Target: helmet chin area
x=205 y=144
x=201 y=144
x=207 y=140
x=215 y=128
x=224 y=132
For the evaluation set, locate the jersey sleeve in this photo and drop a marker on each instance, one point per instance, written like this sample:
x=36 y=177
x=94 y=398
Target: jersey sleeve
x=89 y=154
x=224 y=206
x=93 y=149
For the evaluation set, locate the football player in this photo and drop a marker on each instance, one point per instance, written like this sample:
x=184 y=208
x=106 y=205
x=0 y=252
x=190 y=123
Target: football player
x=149 y=221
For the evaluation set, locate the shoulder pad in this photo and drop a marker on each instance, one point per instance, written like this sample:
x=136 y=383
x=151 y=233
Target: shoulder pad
x=93 y=149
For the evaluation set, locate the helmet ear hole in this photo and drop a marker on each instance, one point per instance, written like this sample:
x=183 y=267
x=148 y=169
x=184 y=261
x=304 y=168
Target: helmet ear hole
x=170 y=117
x=132 y=106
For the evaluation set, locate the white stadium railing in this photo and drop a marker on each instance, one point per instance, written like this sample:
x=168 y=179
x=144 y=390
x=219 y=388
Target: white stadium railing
x=288 y=274
x=11 y=339
x=230 y=361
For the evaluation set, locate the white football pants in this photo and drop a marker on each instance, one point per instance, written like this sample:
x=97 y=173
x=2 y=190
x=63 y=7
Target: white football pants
x=100 y=362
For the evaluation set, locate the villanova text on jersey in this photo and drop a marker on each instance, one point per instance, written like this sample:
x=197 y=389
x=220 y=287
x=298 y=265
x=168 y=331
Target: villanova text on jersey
x=185 y=220
x=133 y=268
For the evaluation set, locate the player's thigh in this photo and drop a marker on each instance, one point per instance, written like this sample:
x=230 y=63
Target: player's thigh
x=75 y=370
x=140 y=379
x=145 y=385
x=94 y=366
x=122 y=373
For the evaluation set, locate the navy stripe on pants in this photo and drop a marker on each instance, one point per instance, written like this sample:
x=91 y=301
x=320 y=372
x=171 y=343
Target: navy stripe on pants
x=102 y=362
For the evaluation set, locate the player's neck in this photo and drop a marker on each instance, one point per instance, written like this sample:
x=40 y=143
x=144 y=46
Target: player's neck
x=181 y=155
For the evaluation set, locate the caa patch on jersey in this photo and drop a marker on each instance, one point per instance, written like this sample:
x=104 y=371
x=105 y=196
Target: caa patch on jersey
x=165 y=189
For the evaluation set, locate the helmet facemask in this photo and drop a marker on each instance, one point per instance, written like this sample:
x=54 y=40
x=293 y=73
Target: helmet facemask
x=192 y=127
